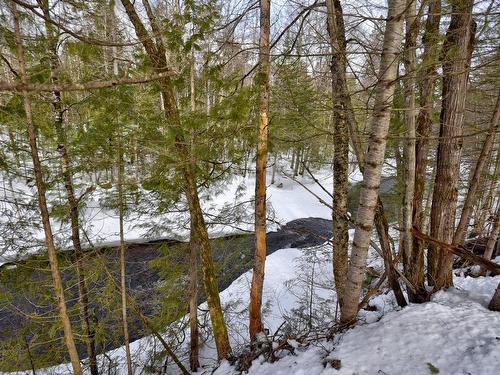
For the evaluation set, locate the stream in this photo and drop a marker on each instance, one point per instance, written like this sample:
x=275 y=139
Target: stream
x=233 y=256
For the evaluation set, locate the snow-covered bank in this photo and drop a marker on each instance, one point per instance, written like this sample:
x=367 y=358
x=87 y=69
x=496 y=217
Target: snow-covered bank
x=454 y=333
x=287 y=201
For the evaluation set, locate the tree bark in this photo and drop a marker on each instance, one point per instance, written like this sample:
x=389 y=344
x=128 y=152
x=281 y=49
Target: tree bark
x=207 y=267
x=487 y=200
x=492 y=240
x=305 y=158
x=123 y=248
x=457 y=51
x=495 y=300
x=292 y=163
x=410 y=64
x=382 y=227
x=194 y=362
x=375 y=158
x=255 y=312
x=359 y=151
x=156 y=53
x=340 y=242
x=471 y=198
x=428 y=77
x=42 y=204
x=298 y=158
x=275 y=165
x=59 y=125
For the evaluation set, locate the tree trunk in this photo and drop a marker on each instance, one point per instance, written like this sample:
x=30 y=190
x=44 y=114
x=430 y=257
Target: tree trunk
x=292 y=163
x=410 y=64
x=305 y=159
x=495 y=301
x=255 y=312
x=340 y=242
x=428 y=77
x=385 y=243
x=70 y=193
x=42 y=204
x=123 y=279
x=427 y=208
x=194 y=362
x=457 y=51
x=376 y=152
x=298 y=159
x=492 y=240
x=487 y=201
x=207 y=267
x=156 y=53
x=359 y=151
x=275 y=165
x=471 y=198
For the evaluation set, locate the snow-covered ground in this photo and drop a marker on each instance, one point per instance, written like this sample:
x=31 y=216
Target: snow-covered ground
x=454 y=333
x=287 y=200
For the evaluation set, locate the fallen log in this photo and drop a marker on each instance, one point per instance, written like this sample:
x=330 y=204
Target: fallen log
x=459 y=251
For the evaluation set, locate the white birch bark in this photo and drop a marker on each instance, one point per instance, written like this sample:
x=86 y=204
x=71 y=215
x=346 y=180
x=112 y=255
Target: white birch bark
x=375 y=157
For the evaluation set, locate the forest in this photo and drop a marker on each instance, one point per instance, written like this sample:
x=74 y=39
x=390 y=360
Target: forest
x=249 y=187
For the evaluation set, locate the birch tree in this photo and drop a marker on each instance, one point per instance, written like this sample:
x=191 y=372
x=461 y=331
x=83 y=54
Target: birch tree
x=375 y=157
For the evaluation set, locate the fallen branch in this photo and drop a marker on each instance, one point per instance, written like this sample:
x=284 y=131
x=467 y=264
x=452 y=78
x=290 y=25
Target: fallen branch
x=377 y=286
x=372 y=291
x=458 y=251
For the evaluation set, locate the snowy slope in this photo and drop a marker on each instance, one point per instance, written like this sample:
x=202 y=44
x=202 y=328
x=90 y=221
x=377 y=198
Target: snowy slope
x=454 y=333
x=287 y=202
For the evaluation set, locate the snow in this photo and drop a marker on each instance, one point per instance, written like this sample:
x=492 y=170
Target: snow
x=287 y=201
x=454 y=333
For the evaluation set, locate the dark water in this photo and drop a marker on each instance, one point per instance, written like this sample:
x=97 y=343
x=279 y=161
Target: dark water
x=28 y=287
